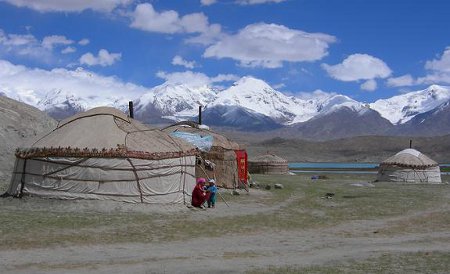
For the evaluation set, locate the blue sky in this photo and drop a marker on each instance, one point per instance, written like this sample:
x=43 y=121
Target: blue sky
x=366 y=49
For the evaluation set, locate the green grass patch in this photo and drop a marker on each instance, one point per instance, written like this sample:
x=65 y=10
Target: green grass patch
x=299 y=205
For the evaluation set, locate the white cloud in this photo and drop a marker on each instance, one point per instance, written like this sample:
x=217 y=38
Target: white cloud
x=49 y=41
x=68 y=6
x=211 y=35
x=442 y=64
x=23 y=45
x=279 y=86
x=145 y=17
x=318 y=94
x=358 y=67
x=369 y=85
x=207 y=2
x=178 y=60
x=401 y=81
x=68 y=50
x=438 y=70
x=104 y=58
x=30 y=85
x=255 y=2
x=194 y=79
x=84 y=42
x=268 y=45
x=434 y=78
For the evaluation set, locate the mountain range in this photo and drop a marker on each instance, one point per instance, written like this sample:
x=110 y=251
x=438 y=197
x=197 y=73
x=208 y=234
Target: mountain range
x=251 y=104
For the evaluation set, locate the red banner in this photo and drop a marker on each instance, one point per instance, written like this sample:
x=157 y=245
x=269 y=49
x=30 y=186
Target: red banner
x=241 y=158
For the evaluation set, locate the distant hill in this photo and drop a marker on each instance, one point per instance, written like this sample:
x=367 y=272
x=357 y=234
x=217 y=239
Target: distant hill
x=356 y=149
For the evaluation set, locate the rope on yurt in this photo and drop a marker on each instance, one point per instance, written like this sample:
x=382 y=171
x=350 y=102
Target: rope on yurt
x=22 y=179
x=183 y=177
x=137 y=179
x=64 y=168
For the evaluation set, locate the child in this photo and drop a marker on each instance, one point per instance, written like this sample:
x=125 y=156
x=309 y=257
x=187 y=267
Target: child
x=212 y=190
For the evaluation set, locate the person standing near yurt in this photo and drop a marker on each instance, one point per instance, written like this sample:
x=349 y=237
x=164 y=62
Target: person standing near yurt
x=199 y=194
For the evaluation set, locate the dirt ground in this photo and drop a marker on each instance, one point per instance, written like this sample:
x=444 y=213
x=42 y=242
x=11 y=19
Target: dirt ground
x=358 y=240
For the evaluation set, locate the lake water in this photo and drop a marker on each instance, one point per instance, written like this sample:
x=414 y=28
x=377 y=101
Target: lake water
x=333 y=165
x=334 y=168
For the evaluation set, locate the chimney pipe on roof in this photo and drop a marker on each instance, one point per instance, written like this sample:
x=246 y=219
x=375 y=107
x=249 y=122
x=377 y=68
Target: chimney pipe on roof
x=131 y=109
x=200 y=115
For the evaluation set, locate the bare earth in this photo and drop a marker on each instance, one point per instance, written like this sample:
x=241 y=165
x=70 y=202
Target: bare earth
x=356 y=240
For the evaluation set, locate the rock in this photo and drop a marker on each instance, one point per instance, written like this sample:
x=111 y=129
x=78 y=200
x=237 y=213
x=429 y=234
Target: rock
x=278 y=186
x=235 y=192
x=267 y=187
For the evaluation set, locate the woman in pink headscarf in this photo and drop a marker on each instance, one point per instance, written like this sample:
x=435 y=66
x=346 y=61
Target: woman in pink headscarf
x=198 y=194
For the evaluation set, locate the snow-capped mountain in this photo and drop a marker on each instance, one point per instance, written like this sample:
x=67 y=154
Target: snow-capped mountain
x=402 y=108
x=172 y=102
x=247 y=101
x=256 y=95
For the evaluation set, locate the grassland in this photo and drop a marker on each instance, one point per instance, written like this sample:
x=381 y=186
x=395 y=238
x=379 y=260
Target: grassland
x=300 y=211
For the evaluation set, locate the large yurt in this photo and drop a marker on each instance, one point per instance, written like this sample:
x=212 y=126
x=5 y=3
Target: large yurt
x=268 y=164
x=103 y=154
x=409 y=166
x=219 y=158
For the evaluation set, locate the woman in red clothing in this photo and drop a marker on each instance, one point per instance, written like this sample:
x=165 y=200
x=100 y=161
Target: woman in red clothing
x=199 y=194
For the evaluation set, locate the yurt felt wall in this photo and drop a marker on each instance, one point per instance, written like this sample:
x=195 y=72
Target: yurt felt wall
x=103 y=154
x=409 y=166
x=221 y=153
x=268 y=164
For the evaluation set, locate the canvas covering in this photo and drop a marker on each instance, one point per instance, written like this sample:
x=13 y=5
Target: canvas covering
x=409 y=175
x=103 y=154
x=222 y=154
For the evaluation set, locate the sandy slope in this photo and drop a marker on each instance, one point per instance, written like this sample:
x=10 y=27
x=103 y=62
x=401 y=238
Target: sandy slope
x=18 y=122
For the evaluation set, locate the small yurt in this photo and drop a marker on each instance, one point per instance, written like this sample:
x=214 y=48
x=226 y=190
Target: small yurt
x=409 y=166
x=268 y=164
x=103 y=154
x=219 y=158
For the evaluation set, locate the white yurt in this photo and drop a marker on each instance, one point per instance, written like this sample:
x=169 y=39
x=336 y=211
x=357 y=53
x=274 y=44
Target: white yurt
x=103 y=154
x=409 y=166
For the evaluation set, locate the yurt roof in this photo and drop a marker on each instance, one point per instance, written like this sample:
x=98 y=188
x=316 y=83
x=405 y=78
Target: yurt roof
x=107 y=132
x=192 y=127
x=410 y=158
x=268 y=158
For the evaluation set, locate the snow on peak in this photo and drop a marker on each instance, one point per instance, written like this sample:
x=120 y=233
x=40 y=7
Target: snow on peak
x=402 y=108
x=252 y=83
x=258 y=96
x=176 y=100
x=338 y=101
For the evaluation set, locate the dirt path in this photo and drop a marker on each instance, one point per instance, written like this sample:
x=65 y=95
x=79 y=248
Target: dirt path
x=228 y=254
